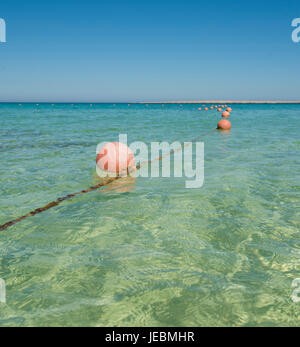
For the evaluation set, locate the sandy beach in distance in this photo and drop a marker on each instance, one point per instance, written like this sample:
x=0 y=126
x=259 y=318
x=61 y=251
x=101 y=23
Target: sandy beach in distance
x=220 y=102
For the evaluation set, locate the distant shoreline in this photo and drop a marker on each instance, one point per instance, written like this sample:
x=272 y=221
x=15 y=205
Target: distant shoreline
x=219 y=102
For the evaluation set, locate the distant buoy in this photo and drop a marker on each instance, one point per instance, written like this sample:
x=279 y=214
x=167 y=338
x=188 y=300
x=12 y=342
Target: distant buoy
x=225 y=114
x=206 y=109
x=224 y=124
x=229 y=109
x=115 y=157
x=199 y=109
x=220 y=110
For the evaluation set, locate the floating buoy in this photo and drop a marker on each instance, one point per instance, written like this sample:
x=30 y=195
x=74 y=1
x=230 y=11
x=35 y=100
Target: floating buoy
x=229 y=109
x=220 y=110
x=225 y=114
x=224 y=124
x=206 y=109
x=199 y=109
x=212 y=108
x=115 y=157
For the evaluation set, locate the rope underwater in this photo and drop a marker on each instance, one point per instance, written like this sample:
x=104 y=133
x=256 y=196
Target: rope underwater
x=91 y=189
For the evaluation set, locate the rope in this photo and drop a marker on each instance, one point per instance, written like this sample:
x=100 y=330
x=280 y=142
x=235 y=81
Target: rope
x=91 y=189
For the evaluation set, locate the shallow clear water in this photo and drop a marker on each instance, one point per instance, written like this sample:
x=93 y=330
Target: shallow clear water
x=150 y=252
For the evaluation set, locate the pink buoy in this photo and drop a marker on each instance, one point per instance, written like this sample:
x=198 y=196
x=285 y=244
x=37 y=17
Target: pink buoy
x=225 y=114
x=115 y=157
x=229 y=109
x=224 y=124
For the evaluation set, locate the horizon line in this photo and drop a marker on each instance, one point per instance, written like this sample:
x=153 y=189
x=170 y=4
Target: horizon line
x=156 y=102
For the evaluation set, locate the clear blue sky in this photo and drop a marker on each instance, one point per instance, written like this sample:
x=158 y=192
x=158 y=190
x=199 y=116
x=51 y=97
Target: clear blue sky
x=119 y=50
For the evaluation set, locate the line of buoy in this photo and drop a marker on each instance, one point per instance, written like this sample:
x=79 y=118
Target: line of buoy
x=224 y=123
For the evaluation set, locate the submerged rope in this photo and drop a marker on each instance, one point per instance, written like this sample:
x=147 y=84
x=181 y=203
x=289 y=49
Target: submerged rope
x=91 y=189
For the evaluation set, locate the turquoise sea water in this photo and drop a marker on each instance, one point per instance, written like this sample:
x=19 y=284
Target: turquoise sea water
x=150 y=252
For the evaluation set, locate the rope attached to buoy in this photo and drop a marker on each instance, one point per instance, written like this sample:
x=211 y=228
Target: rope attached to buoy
x=91 y=189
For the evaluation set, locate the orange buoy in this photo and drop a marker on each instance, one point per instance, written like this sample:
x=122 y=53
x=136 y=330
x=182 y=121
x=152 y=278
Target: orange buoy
x=220 y=110
x=225 y=114
x=115 y=157
x=206 y=109
x=229 y=109
x=224 y=124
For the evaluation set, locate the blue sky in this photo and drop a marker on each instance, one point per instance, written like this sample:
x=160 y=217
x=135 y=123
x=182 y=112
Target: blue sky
x=149 y=50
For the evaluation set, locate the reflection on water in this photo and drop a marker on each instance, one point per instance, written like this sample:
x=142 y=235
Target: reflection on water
x=122 y=185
